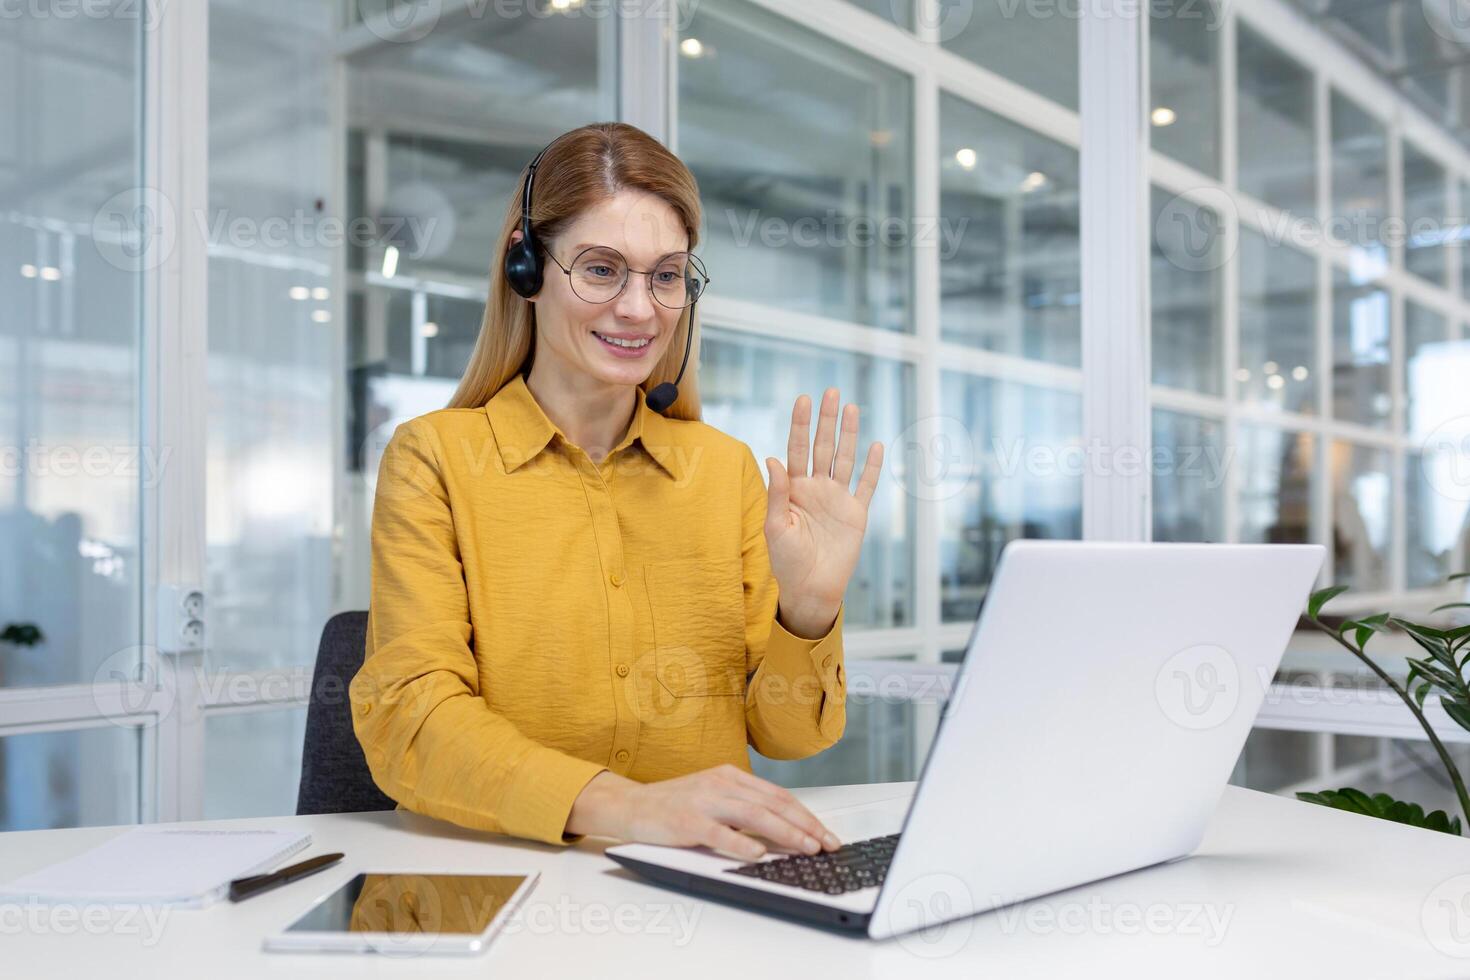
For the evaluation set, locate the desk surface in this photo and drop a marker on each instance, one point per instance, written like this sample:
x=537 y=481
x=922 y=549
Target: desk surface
x=1278 y=888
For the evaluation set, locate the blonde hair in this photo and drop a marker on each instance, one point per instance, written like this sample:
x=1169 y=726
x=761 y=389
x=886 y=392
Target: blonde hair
x=583 y=168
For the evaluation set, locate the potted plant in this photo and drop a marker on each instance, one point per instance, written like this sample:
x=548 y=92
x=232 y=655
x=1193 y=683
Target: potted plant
x=1441 y=668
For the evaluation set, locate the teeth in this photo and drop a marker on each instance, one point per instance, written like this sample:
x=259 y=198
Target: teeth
x=621 y=343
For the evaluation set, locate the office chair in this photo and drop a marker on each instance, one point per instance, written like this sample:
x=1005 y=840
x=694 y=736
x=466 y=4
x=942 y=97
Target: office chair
x=334 y=772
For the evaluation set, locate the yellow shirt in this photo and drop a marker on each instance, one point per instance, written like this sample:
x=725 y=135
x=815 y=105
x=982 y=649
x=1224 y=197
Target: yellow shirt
x=537 y=617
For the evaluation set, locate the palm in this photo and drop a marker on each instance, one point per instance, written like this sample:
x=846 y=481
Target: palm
x=814 y=523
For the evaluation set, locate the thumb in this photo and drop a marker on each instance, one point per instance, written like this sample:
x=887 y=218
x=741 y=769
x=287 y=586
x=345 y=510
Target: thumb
x=778 y=494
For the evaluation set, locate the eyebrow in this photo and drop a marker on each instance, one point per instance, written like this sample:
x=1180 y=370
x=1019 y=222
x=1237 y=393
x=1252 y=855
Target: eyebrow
x=580 y=246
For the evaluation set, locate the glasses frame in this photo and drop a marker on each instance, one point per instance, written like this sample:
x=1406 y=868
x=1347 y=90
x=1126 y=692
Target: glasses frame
x=628 y=272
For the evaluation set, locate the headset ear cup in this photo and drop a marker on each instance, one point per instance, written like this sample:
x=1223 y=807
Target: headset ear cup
x=523 y=267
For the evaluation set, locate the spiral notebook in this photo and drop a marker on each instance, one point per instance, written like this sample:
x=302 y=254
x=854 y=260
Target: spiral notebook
x=176 y=867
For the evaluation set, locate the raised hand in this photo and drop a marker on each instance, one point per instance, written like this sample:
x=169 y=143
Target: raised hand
x=814 y=522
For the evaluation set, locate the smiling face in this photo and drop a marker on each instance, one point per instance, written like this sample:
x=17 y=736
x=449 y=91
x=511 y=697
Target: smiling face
x=579 y=337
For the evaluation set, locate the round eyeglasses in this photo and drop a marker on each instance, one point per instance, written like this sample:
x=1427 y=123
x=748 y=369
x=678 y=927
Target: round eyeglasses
x=600 y=274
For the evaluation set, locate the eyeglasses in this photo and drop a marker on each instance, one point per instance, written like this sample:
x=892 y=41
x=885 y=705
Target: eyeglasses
x=600 y=274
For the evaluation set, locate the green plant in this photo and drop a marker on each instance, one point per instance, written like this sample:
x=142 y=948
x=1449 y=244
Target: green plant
x=1442 y=671
x=21 y=634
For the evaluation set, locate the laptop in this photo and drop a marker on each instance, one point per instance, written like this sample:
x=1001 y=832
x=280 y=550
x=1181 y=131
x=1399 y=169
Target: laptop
x=1105 y=695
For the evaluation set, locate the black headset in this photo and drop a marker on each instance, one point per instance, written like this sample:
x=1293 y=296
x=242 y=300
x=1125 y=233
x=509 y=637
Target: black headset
x=524 y=269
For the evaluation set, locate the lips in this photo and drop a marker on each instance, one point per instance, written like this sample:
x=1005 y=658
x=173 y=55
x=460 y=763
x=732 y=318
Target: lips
x=621 y=347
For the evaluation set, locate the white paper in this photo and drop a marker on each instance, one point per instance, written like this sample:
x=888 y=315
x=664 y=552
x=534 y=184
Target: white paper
x=158 y=866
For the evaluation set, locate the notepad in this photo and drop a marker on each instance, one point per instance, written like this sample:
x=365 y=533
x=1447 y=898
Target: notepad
x=176 y=867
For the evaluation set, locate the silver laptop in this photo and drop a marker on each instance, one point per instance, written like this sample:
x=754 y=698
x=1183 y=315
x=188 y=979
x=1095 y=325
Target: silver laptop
x=1106 y=686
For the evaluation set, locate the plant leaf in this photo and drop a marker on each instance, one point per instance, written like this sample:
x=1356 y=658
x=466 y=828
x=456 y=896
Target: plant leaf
x=1437 y=674
x=1459 y=711
x=1384 y=807
x=1321 y=597
x=1451 y=605
x=1365 y=628
x=1458 y=575
x=1421 y=692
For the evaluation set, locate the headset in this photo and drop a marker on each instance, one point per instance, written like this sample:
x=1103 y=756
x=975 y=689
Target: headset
x=524 y=268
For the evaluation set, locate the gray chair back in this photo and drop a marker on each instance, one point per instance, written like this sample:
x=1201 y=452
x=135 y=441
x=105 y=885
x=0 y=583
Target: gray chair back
x=334 y=772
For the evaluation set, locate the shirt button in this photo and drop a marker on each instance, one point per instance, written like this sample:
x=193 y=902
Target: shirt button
x=364 y=708
x=622 y=755
x=827 y=661
x=616 y=579
x=622 y=670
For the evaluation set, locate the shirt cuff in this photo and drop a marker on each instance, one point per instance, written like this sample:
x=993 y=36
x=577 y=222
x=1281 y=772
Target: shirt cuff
x=793 y=657
x=538 y=797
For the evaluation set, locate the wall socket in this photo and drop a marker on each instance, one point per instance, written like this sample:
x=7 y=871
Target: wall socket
x=180 y=618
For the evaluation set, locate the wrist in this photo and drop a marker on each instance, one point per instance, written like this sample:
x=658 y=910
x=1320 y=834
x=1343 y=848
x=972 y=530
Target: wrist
x=809 y=621
x=600 y=809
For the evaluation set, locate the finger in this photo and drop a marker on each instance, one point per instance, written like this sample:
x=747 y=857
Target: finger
x=740 y=846
x=745 y=813
x=799 y=442
x=846 y=447
x=778 y=495
x=826 y=433
x=868 y=482
x=785 y=803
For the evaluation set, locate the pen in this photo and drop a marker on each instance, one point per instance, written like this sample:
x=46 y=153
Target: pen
x=243 y=888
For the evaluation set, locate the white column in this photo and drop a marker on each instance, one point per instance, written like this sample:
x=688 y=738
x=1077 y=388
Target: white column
x=1112 y=45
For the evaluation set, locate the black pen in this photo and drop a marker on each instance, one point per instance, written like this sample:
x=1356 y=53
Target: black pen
x=243 y=888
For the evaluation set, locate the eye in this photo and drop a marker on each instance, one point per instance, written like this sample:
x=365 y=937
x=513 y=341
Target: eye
x=604 y=271
x=667 y=277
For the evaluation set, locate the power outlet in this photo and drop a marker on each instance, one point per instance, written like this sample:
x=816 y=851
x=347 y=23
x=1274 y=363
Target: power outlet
x=180 y=618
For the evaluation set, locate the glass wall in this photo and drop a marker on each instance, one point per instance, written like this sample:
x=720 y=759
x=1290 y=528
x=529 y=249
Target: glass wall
x=76 y=235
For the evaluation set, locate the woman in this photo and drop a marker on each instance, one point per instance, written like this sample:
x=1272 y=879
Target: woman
x=583 y=610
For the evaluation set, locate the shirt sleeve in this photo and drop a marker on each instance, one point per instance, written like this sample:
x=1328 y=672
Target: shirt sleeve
x=795 y=702
x=431 y=741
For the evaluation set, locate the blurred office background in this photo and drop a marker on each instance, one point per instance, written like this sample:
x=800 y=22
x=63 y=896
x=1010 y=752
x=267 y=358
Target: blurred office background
x=892 y=193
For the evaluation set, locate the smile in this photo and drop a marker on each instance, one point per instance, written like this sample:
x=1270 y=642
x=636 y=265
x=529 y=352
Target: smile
x=629 y=345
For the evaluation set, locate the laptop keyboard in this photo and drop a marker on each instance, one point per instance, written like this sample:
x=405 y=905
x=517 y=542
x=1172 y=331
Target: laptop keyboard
x=862 y=864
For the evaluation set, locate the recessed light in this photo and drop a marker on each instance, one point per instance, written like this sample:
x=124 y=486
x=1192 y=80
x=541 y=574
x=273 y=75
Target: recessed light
x=299 y=293
x=431 y=329
x=322 y=316
x=321 y=294
x=966 y=158
x=390 y=261
x=691 y=47
x=29 y=271
x=1162 y=116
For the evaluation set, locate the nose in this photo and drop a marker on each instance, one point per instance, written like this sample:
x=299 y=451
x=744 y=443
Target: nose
x=636 y=302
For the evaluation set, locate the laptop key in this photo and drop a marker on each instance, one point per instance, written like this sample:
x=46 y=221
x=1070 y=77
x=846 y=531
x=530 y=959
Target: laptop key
x=861 y=864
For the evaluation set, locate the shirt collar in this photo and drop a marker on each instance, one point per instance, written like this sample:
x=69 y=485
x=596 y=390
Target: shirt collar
x=522 y=429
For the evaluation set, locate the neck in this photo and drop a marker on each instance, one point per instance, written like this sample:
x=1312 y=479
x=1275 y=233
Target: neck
x=594 y=416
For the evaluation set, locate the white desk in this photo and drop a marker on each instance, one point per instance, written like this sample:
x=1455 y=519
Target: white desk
x=1294 y=890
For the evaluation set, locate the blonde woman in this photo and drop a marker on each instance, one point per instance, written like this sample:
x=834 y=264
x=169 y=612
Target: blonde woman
x=585 y=610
